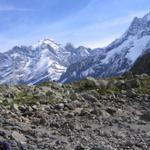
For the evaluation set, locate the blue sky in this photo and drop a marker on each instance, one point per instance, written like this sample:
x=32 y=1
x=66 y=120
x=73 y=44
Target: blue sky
x=92 y=23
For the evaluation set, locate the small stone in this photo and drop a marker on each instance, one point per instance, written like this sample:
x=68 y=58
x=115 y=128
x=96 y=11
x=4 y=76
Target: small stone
x=104 y=114
x=80 y=147
x=34 y=107
x=59 y=106
x=145 y=116
x=19 y=137
x=131 y=94
x=111 y=111
x=15 y=107
x=85 y=112
x=70 y=106
x=74 y=96
x=90 y=98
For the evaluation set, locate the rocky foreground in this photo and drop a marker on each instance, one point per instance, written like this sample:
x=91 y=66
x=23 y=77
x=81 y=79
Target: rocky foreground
x=93 y=114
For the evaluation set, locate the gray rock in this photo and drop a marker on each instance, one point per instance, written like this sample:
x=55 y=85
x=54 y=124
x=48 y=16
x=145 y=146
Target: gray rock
x=15 y=107
x=145 y=116
x=103 y=83
x=60 y=106
x=131 y=94
x=121 y=84
x=19 y=137
x=74 y=96
x=92 y=81
x=111 y=111
x=133 y=83
x=89 y=98
x=128 y=75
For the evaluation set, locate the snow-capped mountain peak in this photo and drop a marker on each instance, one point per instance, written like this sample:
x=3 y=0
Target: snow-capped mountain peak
x=46 y=42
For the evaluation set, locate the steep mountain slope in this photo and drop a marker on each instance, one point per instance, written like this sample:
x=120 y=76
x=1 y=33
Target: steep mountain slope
x=142 y=64
x=43 y=61
x=117 y=57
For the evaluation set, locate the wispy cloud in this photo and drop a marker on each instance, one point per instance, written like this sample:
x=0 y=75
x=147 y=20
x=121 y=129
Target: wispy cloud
x=8 y=8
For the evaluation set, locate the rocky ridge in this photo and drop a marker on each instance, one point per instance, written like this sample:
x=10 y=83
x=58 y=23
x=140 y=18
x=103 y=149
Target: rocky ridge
x=93 y=114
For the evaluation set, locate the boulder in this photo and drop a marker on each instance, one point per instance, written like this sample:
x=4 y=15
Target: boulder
x=92 y=81
x=131 y=94
x=111 y=84
x=88 y=83
x=128 y=75
x=121 y=84
x=133 y=83
x=103 y=83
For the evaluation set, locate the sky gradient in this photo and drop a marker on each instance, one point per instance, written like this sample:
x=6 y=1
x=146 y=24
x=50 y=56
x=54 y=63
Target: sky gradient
x=92 y=23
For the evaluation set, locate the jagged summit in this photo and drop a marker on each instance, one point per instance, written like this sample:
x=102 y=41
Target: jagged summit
x=46 y=42
x=140 y=26
x=147 y=17
x=69 y=46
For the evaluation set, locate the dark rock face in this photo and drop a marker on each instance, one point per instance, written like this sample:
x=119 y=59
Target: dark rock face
x=142 y=65
x=86 y=115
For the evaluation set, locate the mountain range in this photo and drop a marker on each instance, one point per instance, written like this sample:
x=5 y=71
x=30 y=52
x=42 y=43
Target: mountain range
x=48 y=60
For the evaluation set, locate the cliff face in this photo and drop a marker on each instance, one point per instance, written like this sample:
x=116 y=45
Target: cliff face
x=142 y=65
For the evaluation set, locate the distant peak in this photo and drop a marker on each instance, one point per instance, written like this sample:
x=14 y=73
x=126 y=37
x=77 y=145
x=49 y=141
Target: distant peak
x=47 y=41
x=69 y=46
